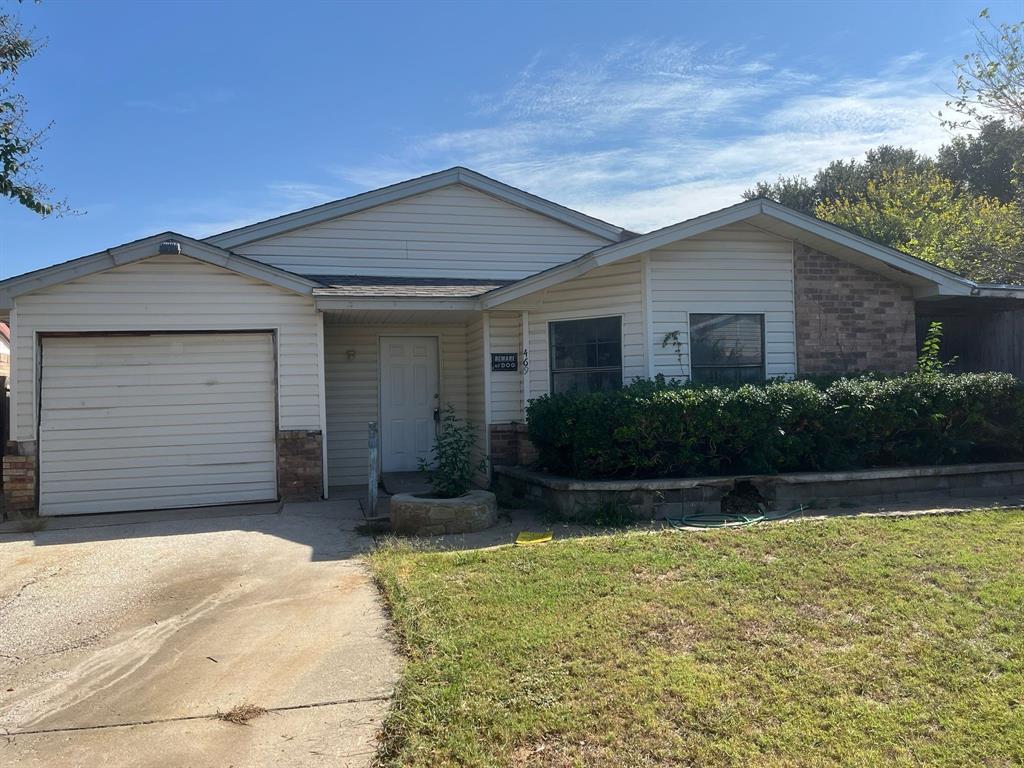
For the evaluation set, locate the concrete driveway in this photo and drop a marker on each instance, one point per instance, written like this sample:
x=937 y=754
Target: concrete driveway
x=123 y=636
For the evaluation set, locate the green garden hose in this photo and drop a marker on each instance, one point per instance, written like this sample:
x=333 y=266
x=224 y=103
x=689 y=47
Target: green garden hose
x=728 y=519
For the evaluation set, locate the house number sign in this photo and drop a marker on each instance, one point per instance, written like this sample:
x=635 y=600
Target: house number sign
x=504 y=361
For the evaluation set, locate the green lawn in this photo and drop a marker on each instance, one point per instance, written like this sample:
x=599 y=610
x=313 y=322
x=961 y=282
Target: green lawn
x=858 y=641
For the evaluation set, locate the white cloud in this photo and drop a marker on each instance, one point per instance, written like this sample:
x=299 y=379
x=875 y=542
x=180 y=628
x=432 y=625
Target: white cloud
x=650 y=133
x=644 y=135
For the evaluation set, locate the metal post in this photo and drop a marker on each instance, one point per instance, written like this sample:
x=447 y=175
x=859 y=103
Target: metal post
x=371 y=490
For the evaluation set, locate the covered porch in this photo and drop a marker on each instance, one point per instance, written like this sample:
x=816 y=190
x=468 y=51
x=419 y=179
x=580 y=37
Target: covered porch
x=399 y=364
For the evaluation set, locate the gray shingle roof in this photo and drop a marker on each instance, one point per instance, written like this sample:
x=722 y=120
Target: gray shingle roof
x=416 y=287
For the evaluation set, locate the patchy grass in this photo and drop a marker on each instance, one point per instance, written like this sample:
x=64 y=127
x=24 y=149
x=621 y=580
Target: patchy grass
x=241 y=714
x=855 y=642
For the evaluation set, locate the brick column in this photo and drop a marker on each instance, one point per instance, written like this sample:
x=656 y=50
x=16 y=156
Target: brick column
x=300 y=465
x=20 y=475
x=849 y=319
x=511 y=446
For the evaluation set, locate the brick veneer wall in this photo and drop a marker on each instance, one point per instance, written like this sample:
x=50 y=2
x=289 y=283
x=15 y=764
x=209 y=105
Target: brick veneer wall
x=511 y=446
x=300 y=465
x=20 y=476
x=849 y=319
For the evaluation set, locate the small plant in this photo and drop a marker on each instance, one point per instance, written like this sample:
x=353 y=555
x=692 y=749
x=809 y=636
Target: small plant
x=608 y=513
x=929 y=360
x=671 y=339
x=453 y=466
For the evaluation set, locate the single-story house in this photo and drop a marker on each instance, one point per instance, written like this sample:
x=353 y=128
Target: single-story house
x=246 y=366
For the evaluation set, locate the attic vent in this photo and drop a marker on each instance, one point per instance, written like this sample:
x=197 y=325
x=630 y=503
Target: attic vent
x=170 y=247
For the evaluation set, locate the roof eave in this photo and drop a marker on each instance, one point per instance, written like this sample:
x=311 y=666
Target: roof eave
x=146 y=248
x=927 y=279
x=329 y=303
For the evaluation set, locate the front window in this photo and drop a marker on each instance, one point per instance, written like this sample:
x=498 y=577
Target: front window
x=586 y=355
x=726 y=349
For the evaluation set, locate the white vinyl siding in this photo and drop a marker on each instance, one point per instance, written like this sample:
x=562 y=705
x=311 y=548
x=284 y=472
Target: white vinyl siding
x=612 y=290
x=155 y=422
x=476 y=402
x=174 y=293
x=450 y=232
x=353 y=370
x=506 y=386
x=735 y=269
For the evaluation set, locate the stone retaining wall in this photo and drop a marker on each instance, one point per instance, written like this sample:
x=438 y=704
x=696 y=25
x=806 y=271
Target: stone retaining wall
x=671 y=497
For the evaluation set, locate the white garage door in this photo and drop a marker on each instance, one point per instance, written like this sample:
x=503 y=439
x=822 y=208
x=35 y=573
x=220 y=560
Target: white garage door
x=156 y=422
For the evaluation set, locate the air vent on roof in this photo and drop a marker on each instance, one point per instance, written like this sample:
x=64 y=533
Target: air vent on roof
x=170 y=246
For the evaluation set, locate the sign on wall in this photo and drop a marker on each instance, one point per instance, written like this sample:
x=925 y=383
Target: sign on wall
x=504 y=361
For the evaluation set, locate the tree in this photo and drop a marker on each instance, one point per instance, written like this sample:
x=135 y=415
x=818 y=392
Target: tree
x=990 y=162
x=840 y=179
x=19 y=143
x=792 y=191
x=923 y=214
x=990 y=81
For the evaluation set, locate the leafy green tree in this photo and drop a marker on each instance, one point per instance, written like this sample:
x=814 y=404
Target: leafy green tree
x=840 y=179
x=923 y=214
x=792 y=191
x=989 y=162
x=20 y=143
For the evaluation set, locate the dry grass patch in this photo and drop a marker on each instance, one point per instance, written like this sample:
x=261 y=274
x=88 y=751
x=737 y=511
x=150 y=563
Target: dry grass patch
x=241 y=714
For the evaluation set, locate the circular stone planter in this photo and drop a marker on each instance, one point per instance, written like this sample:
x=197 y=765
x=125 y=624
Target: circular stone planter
x=417 y=514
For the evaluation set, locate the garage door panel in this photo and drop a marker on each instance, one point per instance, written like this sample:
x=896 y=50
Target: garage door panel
x=132 y=444
x=144 y=417
x=130 y=503
x=108 y=483
x=161 y=421
x=198 y=463
x=73 y=397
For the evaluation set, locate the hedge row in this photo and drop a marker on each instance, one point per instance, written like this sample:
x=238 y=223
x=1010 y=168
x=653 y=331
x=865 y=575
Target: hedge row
x=661 y=429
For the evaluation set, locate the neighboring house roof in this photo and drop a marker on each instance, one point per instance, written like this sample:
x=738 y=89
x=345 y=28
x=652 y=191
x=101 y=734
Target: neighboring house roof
x=405 y=189
x=397 y=287
x=928 y=279
x=166 y=243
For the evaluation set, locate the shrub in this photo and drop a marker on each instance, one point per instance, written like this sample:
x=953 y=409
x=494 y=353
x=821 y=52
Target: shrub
x=453 y=467
x=655 y=428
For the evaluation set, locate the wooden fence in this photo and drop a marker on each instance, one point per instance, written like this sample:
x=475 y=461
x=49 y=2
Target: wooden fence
x=989 y=341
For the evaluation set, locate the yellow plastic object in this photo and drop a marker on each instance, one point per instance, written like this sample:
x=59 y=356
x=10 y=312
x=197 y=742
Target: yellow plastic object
x=529 y=537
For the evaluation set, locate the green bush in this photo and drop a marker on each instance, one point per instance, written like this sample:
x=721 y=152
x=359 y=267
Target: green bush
x=453 y=468
x=660 y=429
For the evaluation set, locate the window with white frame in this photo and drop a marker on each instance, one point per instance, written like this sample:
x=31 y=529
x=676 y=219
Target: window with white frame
x=586 y=355
x=726 y=348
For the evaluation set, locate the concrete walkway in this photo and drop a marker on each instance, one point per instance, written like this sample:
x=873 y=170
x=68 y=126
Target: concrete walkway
x=123 y=636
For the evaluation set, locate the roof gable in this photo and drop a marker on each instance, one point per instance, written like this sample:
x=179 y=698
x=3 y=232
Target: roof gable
x=771 y=217
x=402 y=190
x=138 y=250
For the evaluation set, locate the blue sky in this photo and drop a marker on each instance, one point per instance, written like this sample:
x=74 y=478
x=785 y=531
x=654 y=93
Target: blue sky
x=199 y=117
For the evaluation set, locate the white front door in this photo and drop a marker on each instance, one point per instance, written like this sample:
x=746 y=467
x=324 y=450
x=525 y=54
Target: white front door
x=408 y=397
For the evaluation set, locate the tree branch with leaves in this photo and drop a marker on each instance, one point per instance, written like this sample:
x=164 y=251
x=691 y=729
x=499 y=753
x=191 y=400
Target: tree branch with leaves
x=19 y=142
x=990 y=80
